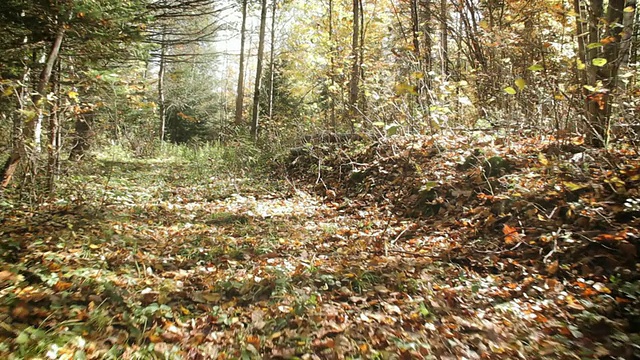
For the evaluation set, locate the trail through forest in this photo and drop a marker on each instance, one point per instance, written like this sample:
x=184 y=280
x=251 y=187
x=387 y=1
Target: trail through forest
x=402 y=253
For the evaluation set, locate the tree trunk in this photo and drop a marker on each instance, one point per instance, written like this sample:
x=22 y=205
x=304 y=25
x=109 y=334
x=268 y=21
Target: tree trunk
x=426 y=30
x=415 y=28
x=240 y=89
x=599 y=104
x=355 y=68
x=162 y=108
x=31 y=128
x=444 y=41
x=361 y=68
x=332 y=69
x=19 y=148
x=627 y=31
x=272 y=67
x=54 y=145
x=258 y=83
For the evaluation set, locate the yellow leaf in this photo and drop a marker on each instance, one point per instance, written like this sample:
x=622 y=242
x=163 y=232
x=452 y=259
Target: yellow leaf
x=8 y=91
x=628 y=9
x=509 y=90
x=543 y=159
x=573 y=186
x=417 y=75
x=520 y=83
x=73 y=95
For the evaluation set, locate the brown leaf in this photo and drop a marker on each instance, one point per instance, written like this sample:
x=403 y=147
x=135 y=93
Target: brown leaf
x=7 y=275
x=21 y=311
x=62 y=286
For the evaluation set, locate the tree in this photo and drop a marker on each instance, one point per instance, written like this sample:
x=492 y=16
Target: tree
x=609 y=43
x=240 y=87
x=258 y=82
x=44 y=28
x=179 y=24
x=355 y=67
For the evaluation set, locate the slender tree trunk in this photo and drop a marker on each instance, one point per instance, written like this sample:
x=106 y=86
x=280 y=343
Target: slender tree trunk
x=240 y=89
x=361 y=68
x=415 y=28
x=53 y=146
x=415 y=36
x=444 y=41
x=426 y=30
x=635 y=37
x=258 y=83
x=332 y=69
x=355 y=68
x=162 y=108
x=272 y=67
x=578 y=9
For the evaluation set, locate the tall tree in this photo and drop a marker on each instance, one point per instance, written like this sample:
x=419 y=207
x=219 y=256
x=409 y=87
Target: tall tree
x=604 y=59
x=274 y=4
x=258 y=82
x=355 y=65
x=240 y=87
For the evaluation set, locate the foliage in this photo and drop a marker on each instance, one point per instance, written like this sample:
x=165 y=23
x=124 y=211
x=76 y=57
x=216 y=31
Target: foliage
x=143 y=258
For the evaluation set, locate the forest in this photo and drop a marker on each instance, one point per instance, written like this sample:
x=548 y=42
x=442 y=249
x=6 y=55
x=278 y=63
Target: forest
x=333 y=179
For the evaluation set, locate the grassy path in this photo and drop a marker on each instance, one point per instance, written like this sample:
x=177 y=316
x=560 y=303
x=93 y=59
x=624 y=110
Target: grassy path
x=150 y=262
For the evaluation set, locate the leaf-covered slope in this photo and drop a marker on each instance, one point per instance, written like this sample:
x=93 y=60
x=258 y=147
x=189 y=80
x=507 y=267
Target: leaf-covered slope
x=550 y=217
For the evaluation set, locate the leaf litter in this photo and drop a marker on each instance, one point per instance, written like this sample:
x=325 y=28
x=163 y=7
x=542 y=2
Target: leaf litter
x=409 y=248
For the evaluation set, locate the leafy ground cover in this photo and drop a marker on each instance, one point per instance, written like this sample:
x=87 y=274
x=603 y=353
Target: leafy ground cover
x=411 y=248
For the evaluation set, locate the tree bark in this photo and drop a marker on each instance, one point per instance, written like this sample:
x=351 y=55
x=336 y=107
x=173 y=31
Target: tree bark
x=20 y=146
x=54 y=144
x=355 y=68
x=332 y=68
x=444 y=41
x=272 y=67
x=240 y=88
x=162 y=108
x=258 y=82
x=599 y=104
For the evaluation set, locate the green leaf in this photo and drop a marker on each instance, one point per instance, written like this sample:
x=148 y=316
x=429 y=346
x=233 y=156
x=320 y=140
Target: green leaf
x=423 y=310
x=600 y=62
x=23 y=338
x=580 y=65
x=428 y=186
x=589 y=87
x=509 y=90
x=536 y=67
x=594 y=45
x=392 y=129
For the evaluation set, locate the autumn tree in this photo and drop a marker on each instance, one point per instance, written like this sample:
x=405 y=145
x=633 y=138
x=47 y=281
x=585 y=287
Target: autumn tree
x=57 y=32
x=240 y=85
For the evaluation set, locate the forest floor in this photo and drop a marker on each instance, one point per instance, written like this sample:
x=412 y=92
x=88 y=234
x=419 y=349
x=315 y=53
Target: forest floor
x=411 y=248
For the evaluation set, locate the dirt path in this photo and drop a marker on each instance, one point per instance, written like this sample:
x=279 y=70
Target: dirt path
x=253 y=270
